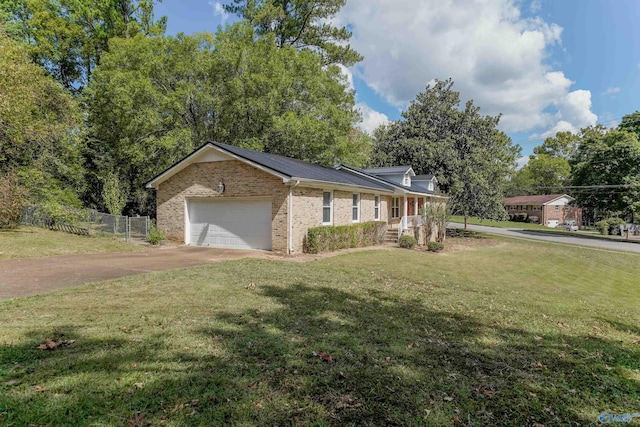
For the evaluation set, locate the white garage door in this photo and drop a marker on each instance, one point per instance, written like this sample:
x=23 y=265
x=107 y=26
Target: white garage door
x=242 y=224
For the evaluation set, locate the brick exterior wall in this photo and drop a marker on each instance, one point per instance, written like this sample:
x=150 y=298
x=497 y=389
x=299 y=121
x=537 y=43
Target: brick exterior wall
x=200 y=180
x=307 y=210
x=545 y=213
x=562 y=215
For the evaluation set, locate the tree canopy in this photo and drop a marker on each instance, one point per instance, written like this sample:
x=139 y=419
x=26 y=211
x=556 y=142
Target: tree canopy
x=469 y=155
x=303 y=24
x=39 y=127
x=609 y=163
x=154 y=99
x=69 y=37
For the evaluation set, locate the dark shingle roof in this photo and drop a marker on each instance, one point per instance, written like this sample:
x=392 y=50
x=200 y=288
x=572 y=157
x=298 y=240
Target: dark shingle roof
x=413 y=187
x=298 y=169
x=390 y=170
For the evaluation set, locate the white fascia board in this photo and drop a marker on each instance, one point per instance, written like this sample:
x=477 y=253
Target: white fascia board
x=189 y=159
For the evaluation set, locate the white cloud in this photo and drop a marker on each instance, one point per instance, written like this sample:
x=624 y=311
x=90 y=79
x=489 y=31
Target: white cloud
x=494 y=55
x=371 y=118
x=535 y=6
x=218 y=10
x=611 y=91
x=348 y=75
x=521 y=162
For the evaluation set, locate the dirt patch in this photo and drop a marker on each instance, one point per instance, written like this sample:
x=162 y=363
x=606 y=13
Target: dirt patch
x=32 y=276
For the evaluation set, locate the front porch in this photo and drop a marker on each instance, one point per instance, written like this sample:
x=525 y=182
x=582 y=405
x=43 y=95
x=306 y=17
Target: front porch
x=406 y=215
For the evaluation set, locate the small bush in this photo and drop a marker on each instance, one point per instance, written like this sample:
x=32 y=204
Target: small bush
x=610 y=226
x=407 y=242
x=520 y=217
x=435 y=246
x=155 y=236
x=333 y=238
x=614 y=225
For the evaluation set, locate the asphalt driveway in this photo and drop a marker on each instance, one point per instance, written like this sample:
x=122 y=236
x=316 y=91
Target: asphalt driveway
x=569 y=239
x=32 y=276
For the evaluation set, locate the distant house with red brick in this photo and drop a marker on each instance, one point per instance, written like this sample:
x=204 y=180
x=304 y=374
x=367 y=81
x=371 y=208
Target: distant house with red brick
x=546 y=209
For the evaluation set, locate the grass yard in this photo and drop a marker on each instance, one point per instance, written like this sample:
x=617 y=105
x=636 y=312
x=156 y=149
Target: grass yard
x=501 y=224
x=495 y=332
x=33 y=242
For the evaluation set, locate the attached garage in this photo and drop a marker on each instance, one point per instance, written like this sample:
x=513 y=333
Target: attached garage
x=229 y=223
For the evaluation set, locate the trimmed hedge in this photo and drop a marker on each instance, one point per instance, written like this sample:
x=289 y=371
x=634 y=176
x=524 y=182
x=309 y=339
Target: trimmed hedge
x=333 y=238
x=435 y=246
x=520 y=217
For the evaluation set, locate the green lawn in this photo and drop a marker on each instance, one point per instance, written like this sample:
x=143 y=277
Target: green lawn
x=31 y=242
x=501 y=333
x=501 y=224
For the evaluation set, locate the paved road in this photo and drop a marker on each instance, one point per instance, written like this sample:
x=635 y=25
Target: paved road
x=574 y=240
x=31 y=276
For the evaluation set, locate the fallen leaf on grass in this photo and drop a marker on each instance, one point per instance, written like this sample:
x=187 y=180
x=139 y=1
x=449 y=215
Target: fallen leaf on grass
x=538 y=365
x=448 y=399
x=253 y=385
x=637 y=341
x=50 y=344
x=11 y=382
x=139 y=385
x=485 y=390
x=39 y=389
x=136 y=421
x=324 y=356
x=410 y=345
x=538 y=338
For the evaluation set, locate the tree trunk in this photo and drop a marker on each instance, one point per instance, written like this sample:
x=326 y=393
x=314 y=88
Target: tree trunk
x=465 y=222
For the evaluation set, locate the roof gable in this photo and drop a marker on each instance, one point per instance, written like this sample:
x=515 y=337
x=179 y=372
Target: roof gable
x=541 y=199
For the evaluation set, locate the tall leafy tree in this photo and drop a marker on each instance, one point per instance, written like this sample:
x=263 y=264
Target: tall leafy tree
x=69 y=37
x=152 y=100
x=39 y=127
x=604 y=159
x=303 y=24
x=464 y=149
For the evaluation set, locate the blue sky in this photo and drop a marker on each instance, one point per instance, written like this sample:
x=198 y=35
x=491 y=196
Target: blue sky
x=545 y=65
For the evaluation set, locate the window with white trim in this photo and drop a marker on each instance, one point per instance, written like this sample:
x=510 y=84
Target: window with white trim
x=355 y=215
x=395 y=207
x=557 y=207
x=327 y=207
x=376 y=208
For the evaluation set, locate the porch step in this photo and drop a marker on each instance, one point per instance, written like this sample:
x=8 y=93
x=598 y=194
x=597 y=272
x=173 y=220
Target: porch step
x=391 y=236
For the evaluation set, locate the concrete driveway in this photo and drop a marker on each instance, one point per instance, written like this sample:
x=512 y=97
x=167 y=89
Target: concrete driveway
x=31 y=276
x=568 y=239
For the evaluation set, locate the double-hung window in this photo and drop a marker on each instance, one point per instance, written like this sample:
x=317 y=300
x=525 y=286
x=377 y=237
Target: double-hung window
x=376 y=208
x=355 y=215
x=395 y=207
x=327 y=207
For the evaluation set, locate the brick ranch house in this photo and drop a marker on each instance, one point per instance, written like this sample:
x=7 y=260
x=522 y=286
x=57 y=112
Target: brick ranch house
x=548 y=209
x=226 y=196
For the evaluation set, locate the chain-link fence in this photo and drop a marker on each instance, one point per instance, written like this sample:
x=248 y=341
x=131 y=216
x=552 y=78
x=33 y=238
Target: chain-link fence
x=87 y=222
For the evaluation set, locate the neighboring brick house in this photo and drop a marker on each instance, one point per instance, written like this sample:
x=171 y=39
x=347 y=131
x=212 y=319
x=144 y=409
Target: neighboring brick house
x=226 y=196
x=547 y=209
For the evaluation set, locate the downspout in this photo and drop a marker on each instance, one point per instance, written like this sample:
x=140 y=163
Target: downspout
x=290 y=217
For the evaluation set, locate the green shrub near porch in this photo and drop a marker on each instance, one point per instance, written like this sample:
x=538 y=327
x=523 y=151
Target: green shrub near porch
x=333 y=238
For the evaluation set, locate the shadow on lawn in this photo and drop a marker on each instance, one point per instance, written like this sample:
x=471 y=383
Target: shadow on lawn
x=397 y=362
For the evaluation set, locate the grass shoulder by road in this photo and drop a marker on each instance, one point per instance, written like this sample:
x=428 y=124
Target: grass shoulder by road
x=490 y=332
x=500 y=224
x=33 y=242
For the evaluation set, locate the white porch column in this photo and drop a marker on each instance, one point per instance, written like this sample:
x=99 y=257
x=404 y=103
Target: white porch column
x=416 y=208
x=406 y=205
